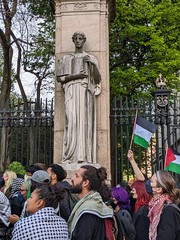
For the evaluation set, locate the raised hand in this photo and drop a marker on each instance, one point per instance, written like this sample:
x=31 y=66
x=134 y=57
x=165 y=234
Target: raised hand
x=130 y=155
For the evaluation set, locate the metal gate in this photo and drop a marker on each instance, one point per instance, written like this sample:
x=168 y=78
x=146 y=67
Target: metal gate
x=26 y=134
x=163 y=109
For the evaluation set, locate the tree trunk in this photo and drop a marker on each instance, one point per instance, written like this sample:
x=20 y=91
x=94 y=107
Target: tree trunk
x=8 y=11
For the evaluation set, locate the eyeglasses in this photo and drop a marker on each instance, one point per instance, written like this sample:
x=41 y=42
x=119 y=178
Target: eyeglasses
x=23 y=190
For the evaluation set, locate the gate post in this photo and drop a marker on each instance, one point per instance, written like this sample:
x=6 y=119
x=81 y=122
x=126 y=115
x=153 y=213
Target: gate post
x=161 y=99
x=92 y=18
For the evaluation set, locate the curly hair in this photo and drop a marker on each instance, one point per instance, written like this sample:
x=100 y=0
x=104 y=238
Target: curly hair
x=79 y=33
x=51 y=195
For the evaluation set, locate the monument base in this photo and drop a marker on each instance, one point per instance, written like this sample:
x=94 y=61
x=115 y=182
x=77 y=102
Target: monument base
x=71 y=168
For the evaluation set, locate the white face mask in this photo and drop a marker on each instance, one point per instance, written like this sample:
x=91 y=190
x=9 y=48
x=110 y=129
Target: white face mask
x=26 y=177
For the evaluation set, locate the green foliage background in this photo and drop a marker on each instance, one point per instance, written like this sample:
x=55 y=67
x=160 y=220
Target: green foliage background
x=17 y=168
x=144 y=42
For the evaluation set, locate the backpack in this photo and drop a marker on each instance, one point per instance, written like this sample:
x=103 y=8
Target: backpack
x=111 y=228
x=125 y=225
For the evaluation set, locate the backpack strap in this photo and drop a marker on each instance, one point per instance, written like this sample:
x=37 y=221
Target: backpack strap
x=172 y=205
x=110 y=228
x=115 y=226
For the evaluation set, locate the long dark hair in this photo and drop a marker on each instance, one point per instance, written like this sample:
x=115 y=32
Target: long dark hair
x=97 y=178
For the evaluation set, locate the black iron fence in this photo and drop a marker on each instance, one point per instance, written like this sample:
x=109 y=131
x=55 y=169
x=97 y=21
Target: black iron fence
x=164 y=111
x=26 y=133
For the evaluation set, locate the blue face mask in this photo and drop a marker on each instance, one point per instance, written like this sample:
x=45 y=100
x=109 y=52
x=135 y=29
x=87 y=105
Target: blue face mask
x=148 y=187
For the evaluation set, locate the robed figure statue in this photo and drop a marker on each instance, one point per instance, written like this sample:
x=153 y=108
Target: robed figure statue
x=79 y=74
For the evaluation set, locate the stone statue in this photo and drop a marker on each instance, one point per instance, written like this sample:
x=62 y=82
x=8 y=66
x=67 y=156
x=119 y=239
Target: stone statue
x=80 y=76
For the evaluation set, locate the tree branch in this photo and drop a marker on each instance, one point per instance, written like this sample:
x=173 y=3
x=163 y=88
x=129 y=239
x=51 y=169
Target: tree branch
x=17 y=76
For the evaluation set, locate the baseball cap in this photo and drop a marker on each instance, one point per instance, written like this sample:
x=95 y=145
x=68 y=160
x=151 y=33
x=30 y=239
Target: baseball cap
x=40 y=176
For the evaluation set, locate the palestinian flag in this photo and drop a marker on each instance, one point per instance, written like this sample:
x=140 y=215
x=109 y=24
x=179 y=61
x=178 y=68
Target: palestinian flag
x=143 y=130
x=172 y=161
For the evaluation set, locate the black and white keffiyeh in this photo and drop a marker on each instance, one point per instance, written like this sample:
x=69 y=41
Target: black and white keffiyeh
x=5 y=209
x=44 y=224
x=15 y=186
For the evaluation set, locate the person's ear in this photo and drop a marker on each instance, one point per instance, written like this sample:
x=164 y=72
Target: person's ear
x=40 y=203
x=86 y=183
x=53 y=176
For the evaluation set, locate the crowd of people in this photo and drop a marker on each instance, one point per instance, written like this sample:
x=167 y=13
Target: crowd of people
x=42 y=204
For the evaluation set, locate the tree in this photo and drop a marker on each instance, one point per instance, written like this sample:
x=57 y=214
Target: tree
x=8 y=10
x=35 y=53
x=38 y=54
x=144 y=42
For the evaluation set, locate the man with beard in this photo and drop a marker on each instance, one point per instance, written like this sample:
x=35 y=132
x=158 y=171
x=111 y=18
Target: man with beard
x=86 y=221
x=57 y=175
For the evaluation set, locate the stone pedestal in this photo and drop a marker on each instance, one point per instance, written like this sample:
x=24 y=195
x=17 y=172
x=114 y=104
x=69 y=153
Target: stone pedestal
x=90 y=17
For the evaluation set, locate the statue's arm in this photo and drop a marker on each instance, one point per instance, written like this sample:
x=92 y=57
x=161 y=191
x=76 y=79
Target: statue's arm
x=95 y=69
x=71 y=77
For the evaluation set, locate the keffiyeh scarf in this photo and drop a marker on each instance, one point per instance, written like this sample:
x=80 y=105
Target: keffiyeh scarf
x=5 y=209
x=15 y=186
x=92 y=203
x=155 y=209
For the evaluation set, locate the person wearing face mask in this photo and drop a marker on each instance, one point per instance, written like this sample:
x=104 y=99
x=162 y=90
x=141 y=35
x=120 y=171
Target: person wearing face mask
x=121 y=204
x=33 y=168
x=139 y=176
x=140 y=215
x=164 y=213
x=18 y=200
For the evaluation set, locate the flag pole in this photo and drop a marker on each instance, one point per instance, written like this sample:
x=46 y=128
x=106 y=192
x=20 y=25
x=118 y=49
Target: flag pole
x=165 y=157
x=133 y=129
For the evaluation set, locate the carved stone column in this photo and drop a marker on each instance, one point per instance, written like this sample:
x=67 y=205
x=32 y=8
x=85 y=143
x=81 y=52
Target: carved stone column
x=90 y=17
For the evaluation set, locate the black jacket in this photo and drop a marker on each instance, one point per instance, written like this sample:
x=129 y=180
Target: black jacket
x=169 y=225
x=17 y=203
x=67 y=204
x=89 y=227
x=141 y=223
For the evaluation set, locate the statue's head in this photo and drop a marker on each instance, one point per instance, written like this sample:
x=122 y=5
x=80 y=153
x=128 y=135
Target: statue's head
x=79 y=33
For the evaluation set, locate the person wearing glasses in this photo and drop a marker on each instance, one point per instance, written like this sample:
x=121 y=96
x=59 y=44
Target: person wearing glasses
x=18 y=200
